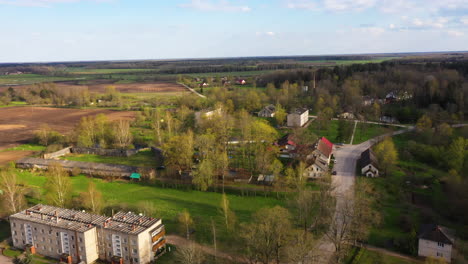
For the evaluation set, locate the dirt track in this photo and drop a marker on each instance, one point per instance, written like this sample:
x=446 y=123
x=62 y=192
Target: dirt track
x=18 y=124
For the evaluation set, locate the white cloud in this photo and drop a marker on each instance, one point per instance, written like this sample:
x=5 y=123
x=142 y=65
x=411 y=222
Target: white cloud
x=455 y=33
x=374 y=31
x=436 y=23
x=222 y=5
x=43 y=3
x=269 y=33
x=331 y=5
x=464 y=20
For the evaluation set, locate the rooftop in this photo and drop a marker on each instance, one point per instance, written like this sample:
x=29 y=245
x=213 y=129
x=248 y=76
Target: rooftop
x=437 y=233
x=81 y=221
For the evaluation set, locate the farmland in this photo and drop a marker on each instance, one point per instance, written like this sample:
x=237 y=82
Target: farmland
x=18 y=124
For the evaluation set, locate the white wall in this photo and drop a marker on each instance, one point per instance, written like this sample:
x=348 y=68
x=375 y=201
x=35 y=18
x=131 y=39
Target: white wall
x=433 y=249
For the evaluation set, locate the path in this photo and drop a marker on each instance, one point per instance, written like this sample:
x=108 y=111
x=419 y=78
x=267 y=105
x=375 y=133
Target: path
x=391 y=253
x=193 y=91
x=5 y=260
x=346 y=159
x=180 y=241
x=354 y=131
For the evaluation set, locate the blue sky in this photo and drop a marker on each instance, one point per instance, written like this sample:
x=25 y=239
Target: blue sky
x=68 y=30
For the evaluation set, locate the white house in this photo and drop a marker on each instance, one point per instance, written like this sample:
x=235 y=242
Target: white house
x=436 y=241
x=268 y=111
x=316 y=169
x=368 y=164
x=207 y=114
x=298 y=118
x=346 y=115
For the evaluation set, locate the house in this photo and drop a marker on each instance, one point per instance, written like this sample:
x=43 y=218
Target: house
x=207 y=114
x=204 y=84
x=79 y=237
x=316 y=169
x=286 y=145
x=346 y=115
x=436 y=241
x=298 y=118
x=268 y=111
x=324 y=150
x=265 y=179
x=388 y=119
x=368 y=164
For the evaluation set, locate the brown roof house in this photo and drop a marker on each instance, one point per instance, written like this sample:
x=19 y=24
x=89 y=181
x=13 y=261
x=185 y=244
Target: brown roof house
x=436 y=241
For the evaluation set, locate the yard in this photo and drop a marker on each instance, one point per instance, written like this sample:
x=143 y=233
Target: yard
x=141 y=159
x=365 y=256
x=168 y=203
x=366 y=131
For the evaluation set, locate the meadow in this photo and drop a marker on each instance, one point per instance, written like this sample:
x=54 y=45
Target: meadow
x=141 y=159
x=168 y=203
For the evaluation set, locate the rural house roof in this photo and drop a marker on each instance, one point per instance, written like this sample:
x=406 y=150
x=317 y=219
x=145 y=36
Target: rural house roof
x=325 y=147
x=299 y=111
x=368 y=157
x=269 y=108
x=287 y=139
x=437 y=233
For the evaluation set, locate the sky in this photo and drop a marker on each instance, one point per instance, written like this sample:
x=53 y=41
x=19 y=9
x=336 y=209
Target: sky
x=77 y=30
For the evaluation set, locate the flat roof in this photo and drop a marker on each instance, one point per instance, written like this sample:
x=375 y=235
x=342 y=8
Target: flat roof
x=80 y=221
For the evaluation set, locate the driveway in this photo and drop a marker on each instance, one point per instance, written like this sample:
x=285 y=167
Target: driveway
x=5 y=260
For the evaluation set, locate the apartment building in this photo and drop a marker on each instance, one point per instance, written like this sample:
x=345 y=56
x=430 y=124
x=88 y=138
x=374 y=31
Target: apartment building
x=79 y=237
x=298 y=118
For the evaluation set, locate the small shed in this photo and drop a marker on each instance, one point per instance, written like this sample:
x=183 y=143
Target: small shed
x=135 y=176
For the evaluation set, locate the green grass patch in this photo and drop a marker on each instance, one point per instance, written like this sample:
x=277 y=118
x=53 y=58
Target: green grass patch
x=80 y=70
x=203 y=206
x=330 y=132
x=366 y=131
x=31 y=79
x=141 y=159
x=14 y=103
x=26 y=147
x=364 y=256
x=11 y=253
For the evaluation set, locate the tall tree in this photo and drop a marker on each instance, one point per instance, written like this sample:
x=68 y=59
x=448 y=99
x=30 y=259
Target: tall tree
x=58 y=186
x=179 y=152
x=92 y=199
x=280 y=115
x=228 y=214
x=186 y=221
x=204 y=176
x=455 y=156
x=123 y=135
x=12 y=199
x=387 y=154
x=190 y=254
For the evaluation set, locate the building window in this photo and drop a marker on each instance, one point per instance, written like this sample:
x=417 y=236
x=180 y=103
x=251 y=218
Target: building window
x=42 y=231
x=81 y=240
x=135 y=260
x=440 y=255
x=14 y=224
x=135 y=251
x=440 y=244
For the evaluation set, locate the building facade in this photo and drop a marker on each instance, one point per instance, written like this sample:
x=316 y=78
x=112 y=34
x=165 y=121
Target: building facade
x=436 y=242
x=298 y=118
x=79 y=237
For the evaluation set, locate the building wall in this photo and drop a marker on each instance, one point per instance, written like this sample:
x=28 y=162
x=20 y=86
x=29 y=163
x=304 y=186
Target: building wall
x=50 y=241
x=433 y=249
x=296 y=120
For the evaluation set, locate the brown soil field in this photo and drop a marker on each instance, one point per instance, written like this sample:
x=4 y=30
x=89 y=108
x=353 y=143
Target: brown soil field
x=99 y=87
x=18 y=124
x=9 y=156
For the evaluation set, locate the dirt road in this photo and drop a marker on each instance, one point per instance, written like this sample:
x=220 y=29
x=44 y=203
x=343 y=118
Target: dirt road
x=5 y=260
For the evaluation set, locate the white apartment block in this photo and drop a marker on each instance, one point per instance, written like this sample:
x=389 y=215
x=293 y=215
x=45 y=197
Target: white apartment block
x=79 y=237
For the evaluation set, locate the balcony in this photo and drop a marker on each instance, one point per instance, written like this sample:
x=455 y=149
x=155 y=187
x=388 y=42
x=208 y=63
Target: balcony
x=159 y=245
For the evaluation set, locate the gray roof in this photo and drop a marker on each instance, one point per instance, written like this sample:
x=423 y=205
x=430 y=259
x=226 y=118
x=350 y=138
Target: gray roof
x=299 y=111
x=437 y=233
x=80 y=221
x=368 y=157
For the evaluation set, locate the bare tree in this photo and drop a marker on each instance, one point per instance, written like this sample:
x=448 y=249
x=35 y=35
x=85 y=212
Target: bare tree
x=123 y=135
x=92 y=199
x=191 y=254
x=341 y=224
x=228 y=214
x=13 y=193
x=58 y=185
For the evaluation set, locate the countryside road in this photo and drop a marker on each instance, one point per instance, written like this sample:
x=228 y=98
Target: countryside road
x=343 y=182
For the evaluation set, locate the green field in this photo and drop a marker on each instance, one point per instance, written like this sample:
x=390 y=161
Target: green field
x=348 y=62
x=31 y=79
x=223 y=74
x=26 y=147
x=168 y=203
x=14 y=104
x=141 y=159
x=365 y=256
x=78 y=70
x=366 y=131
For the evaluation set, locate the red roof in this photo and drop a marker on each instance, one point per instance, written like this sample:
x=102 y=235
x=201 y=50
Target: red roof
x=325 y=146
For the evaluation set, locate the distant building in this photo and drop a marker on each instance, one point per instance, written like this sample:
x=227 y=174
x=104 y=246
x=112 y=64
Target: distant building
x=368 y=164
x=268 y=111
x=388 y=119
x=346 y=115
x=436 y=242
x=298 y=118
x=207 y=114
x=286 y=145
x=78 y=237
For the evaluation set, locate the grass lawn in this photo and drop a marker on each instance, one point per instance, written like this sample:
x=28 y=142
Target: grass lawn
x=141 y=159
x=331 y=133
x=26 y=147
x=366 y=131
x=11 y=253
x=364 y=256
x=31 y=79
x=80 y=70
x=203 y=206
x=14 y=103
